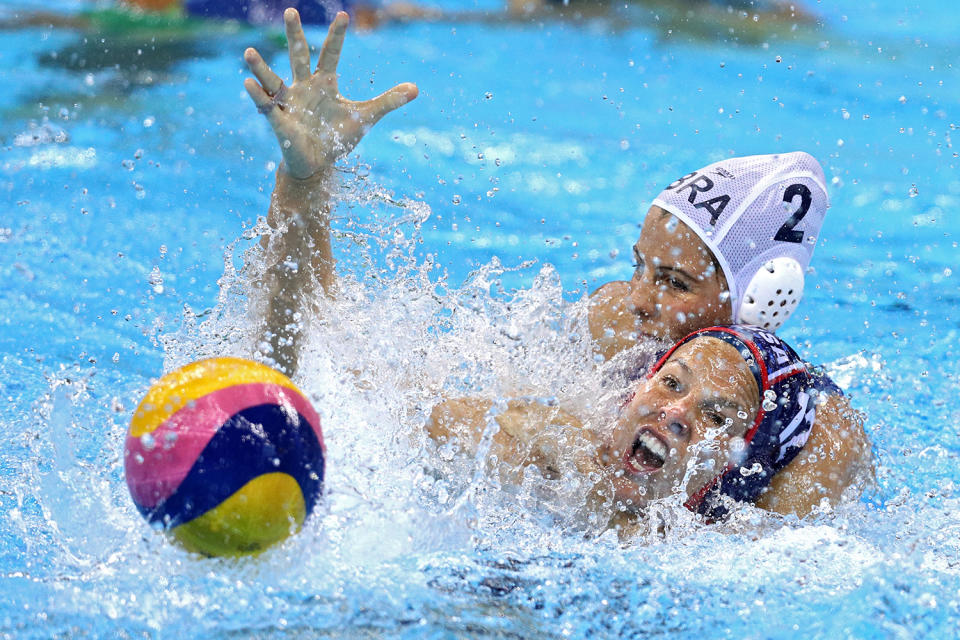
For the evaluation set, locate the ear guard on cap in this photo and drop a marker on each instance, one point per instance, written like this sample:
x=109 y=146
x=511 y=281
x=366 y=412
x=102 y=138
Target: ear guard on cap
x=772 y=294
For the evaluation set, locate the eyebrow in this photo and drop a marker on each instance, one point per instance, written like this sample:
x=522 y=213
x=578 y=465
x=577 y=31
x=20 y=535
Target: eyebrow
x=683 y=365
x=712 y=402
x=637 y=254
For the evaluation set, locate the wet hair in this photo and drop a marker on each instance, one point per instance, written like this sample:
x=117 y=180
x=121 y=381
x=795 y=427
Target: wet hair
x=781 y=427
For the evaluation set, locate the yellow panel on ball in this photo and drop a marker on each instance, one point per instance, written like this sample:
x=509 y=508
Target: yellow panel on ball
x=179 y=388
x=263 y=512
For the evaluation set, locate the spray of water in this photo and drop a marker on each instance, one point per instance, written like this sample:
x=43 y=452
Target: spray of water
x=410 y=530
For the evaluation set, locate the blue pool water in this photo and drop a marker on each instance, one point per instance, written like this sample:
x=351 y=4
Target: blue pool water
x=130 y=180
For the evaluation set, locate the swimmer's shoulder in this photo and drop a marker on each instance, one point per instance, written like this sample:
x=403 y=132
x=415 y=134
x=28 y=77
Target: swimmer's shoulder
x=822 y=383
x=835 y=463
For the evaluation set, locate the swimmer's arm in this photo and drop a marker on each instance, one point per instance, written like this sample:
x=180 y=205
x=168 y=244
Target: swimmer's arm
x=298 y=258
x=527 y=431
x=835 y=458
x=315 y=126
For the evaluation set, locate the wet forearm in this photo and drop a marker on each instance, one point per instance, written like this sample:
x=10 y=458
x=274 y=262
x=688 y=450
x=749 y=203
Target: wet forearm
x=299 y=265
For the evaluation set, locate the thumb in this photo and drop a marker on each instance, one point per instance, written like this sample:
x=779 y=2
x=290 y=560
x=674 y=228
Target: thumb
x=372 y=110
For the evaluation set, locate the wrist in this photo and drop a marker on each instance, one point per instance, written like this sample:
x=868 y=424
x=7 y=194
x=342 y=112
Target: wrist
x=301 y=201
x=300 y=184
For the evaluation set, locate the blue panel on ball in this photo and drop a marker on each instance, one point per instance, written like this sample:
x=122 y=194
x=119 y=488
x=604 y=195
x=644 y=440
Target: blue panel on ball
x=261 y=439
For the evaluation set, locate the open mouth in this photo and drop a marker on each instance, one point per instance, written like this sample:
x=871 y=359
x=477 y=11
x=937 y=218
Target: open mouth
x=647 y=454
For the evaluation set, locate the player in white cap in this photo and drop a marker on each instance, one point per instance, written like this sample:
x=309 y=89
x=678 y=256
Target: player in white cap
x=727 y=243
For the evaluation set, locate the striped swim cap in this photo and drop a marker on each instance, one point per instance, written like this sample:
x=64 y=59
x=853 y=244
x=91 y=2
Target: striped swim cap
x=760 y=216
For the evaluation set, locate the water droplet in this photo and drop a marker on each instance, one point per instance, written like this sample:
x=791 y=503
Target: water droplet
x=147 y=441
x=456 y=199
x=754 y=469
x=488 y=95
x=914 y=192
x=156 y=280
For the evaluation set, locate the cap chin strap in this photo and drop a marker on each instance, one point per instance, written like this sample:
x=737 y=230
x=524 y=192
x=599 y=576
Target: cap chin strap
x=772 y=295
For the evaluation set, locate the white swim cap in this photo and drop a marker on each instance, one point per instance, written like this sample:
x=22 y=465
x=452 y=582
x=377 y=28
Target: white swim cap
x=760 y=216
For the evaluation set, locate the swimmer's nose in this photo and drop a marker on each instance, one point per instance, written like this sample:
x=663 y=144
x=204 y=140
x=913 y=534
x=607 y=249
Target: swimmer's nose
x=673 y=419
x=643 y=297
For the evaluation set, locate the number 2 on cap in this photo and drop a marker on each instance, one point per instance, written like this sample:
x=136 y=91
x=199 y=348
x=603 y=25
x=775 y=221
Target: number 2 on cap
x=787 y=233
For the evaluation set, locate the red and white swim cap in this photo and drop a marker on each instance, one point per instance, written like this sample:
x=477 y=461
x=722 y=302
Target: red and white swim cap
x=760 y=216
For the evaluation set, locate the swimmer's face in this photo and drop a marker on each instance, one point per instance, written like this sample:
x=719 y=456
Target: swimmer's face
x=683 y=424
x=676 y=287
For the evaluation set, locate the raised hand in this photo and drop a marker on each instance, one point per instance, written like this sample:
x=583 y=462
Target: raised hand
x=313 y=123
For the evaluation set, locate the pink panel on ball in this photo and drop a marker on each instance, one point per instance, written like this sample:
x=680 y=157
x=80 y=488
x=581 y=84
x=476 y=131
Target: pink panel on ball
x=157 y=463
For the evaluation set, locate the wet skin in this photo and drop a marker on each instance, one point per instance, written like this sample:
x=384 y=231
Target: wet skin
x=676 y=288
x=682 y=425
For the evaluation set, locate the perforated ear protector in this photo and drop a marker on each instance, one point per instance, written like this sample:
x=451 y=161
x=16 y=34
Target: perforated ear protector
x=772 y=294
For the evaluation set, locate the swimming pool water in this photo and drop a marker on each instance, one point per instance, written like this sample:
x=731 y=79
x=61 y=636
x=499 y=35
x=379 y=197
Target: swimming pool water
x=125 y=173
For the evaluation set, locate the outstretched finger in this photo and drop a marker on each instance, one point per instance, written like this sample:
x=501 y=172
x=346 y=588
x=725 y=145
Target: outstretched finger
x=270 y=81
x=333 y=45
x=297 y=46
x=372 y=110
x=265 y=104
